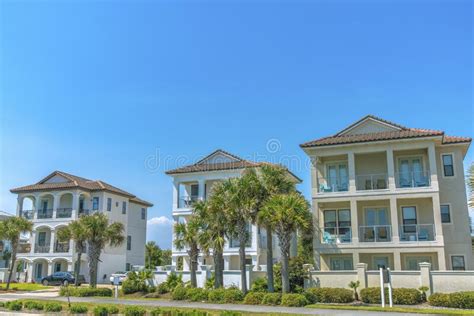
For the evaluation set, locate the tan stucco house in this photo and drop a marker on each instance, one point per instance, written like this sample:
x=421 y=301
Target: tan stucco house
x=388 y=195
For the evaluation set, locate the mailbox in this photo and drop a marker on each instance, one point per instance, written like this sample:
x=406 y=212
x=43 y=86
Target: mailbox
x=116 y=280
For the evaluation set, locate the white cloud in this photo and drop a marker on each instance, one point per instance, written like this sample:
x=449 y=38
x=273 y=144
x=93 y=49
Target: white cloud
x=159 y=230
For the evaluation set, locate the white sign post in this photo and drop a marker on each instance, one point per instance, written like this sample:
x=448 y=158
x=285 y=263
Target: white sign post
x=116 y=283
x=385 y=278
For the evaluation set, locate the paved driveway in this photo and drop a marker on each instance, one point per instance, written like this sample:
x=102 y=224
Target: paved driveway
x=182 y=304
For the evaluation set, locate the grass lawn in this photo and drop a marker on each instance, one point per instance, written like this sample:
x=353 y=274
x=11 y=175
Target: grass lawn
x=417 y=310
x=24 y=287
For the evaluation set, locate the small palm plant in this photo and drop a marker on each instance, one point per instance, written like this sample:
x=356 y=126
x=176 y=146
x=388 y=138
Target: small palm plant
x=354 y=285
x=423 y=290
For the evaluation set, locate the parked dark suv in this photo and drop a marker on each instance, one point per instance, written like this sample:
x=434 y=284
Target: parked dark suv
x=58 y=278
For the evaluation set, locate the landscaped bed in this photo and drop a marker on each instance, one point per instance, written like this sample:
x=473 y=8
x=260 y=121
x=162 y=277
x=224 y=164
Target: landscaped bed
x=23 y=287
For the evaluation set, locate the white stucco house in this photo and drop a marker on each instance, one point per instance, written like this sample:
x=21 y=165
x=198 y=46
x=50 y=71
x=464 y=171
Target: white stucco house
x=194 y=182
x=60 y=198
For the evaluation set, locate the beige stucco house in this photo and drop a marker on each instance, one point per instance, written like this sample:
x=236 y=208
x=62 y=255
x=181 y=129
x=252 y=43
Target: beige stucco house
x=388 y=195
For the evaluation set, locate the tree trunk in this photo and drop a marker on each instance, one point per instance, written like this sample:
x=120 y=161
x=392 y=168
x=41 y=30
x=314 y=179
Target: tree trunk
x=14 y=248
x=218 y=268
x=285 y=255
x=94 y=255
x=193 y=257
x=243 y=270
x=270 y=286
x=78 y=268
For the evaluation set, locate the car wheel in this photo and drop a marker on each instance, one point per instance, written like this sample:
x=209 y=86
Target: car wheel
x=65 y=282
x=45 y=282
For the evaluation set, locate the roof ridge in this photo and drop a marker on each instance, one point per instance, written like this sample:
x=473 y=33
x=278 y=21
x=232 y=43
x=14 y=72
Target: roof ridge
x=218 y=151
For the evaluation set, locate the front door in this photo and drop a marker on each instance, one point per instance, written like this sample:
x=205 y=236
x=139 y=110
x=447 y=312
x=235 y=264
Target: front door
x=38 y=271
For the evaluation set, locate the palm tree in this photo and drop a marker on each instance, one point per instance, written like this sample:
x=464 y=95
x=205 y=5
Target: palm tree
x=153 y=255
x=98 y=234
x=273 y=180
x=75 y=231
x=10 y=230
x=187 y=236
x=243 y=193
x=470 y=184
x=287 y=213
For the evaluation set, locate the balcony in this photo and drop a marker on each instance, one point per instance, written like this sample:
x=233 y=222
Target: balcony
x=29 y=214
x=337 y=235
x=333 y=185
x=64 y=213
x=376 y=233
x=372 y=182
x=45 y=213
x=412 y=179
x=417 y=233
x=61 y=247
x=83 y=212
x=24 y=248
x=42 y=248
x=187 y=201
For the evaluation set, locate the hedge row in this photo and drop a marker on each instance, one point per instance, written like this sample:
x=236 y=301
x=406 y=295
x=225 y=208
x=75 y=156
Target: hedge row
x=85 y=291
x=454 y=300
x=400 y=296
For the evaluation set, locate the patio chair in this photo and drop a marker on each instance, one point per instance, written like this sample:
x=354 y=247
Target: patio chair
x=324 y=188
x=328 y=238
x=381 y=184
x=382 y=234
x=369 y=235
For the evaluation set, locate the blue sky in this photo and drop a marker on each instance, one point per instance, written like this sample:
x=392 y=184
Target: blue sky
x=101 y=89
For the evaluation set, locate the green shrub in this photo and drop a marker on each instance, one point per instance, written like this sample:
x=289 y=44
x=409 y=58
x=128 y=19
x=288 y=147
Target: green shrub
x=30 y=305
x=230 y=313
x=210 y=282
x=329 y=295
x=293 y=300
x=104 y=310
x=254 y=298
x=179 y=293
x=53 y=307
x=134 y=311
x=271 y=299
x=259 y=285
x=233 y=295
x=155 y=311
x=401 y=296
x=173 y=280
x=216 y=295
x=78 y=309
x=2 y=304
x=14 y=305
x=85 y=291
x=454 y=300
x=162 y=288
x=137 y=282
x=197 y=294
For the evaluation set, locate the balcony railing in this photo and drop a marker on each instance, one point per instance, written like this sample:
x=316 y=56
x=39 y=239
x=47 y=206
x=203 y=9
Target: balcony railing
x=45 y=213
x=372 y=181
x=376 y=233
x=420 y=232
x=64 y=212
x=61 y=247
x=336 y=235
x=24 y=248
x=333 y=185
x=29 y=214
x=187 y=201
x=41 y=248
x=83 y=212
x=413 y=179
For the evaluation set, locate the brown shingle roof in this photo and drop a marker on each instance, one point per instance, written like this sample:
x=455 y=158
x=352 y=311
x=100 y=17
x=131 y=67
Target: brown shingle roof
x=74 y=182
x=401 y=133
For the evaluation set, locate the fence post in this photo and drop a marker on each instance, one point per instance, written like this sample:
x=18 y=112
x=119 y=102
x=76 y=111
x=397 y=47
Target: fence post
x=205 y=275
x=425 y=276
x=362 y=274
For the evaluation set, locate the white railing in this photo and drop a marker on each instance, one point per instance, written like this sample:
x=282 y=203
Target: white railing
x=417 y=232
x=187 y=201
x=29 y=214
x=333 y=185
x=45 y=213
x=63 y=212
x=41 y=248
x=375 y=233
x=372 y=181
x=336 y=235
x=412 y=179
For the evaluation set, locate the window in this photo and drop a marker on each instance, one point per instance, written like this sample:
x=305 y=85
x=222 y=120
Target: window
x=341 y=263
x=124 y=207
x=337 y=177
x=409 y=219
x=129 y=242
x=42 y=239
x=57 y=267
x=448 y=166
x=458 y=263
x=337 y=226
x=445 y=214
x=127 y=266
x=143 y=213
x=413 y=262
x=109 y=204
x=381 y=262
x=194 y=190
x=95 y=203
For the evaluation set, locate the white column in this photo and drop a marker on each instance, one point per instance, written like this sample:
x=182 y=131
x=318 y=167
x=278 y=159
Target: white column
x=19 y=205
x=354 y=222
x=314 y=176
x=201 y=189
x=75 y=204
x=56 y=198
x=352 y=171
x=33 y=241
x=69 y=266
x=38 y=206
x=397 y=260
x=175 y=194
x=441 y=260
x=438 y=225
x=52 y=241
x=50 y=268
x=390 y=169
x=30 y=271
x=394 y=219
x=255 y=263
x=226 y=262
x=433 y=166
x=355 y=258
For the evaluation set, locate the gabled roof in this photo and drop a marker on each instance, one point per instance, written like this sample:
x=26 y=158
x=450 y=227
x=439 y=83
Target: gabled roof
x=382 y=130
x=69 y=181
x=233 y=163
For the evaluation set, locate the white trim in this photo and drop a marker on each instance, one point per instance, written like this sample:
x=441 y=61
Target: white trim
x=454 y=176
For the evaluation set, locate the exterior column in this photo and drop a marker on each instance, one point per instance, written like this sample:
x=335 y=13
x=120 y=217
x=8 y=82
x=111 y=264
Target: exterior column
x=33 y=241
x=433 y=166
x=255 y=263
x=351 y=166
x=362 y=274
x=441 y=260
x=52 y=240
x=50 y=268
x=354 y=222
x=314 y=176
x=56 y=198
x=437 y=218
x=394 y=219
x=226 y=262
x=29 y=277
x=390 y=169
x=38 y=206
x=75 y=204
x=19 y=206
x=355 y=258
x=201 y=189
x=69 y=266
x=175 y=195
x=397 y=261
